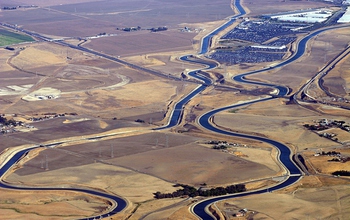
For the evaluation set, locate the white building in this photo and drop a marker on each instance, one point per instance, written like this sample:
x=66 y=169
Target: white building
x=308 y=16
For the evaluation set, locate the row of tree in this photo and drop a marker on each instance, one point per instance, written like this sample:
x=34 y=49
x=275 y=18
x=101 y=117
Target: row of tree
x=158 y=29
x=341 y=173
x=6 y=122
x=193 y=192
x=220 y=147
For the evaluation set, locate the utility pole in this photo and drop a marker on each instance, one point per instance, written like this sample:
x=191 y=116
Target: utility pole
x=166 y=141
x=46 y=163
x=112 y=151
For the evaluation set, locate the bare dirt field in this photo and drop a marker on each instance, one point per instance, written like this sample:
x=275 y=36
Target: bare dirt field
x=261 y=119
x=323 y=164
x=52 y=205
x=87 y=18
x=337 y=80
x=180 y=154
x=43 y=3
x=194 y=165
x=312 y=203
x=143 y=42
x=101 y=97
x=275 y=6
x=84 y=84
x=190 y=163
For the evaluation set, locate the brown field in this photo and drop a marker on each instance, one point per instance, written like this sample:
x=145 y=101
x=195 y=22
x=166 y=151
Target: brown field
x=189 y=162
x=311 y=203
x=143 y=42
x=91 y=17
x=275 y=6
x=322 y=163
x=337 y=80
x=86 y=84
x=102 y=97
x=52 y=205
x=259 y=118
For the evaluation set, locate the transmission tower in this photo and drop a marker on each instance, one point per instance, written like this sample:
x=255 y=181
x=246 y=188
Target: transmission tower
x=112 y=151
x=46 y=163
x=166 y=141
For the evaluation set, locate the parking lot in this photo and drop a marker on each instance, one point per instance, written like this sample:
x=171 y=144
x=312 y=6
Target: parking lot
x=267 y=41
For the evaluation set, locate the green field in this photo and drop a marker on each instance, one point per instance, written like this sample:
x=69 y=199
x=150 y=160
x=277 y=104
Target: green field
x=9 y=38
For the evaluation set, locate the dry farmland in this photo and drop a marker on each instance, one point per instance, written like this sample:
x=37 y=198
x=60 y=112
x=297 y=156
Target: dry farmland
x=99 y=116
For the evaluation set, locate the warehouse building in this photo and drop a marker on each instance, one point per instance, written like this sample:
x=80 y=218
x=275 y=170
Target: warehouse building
x=305 y=16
